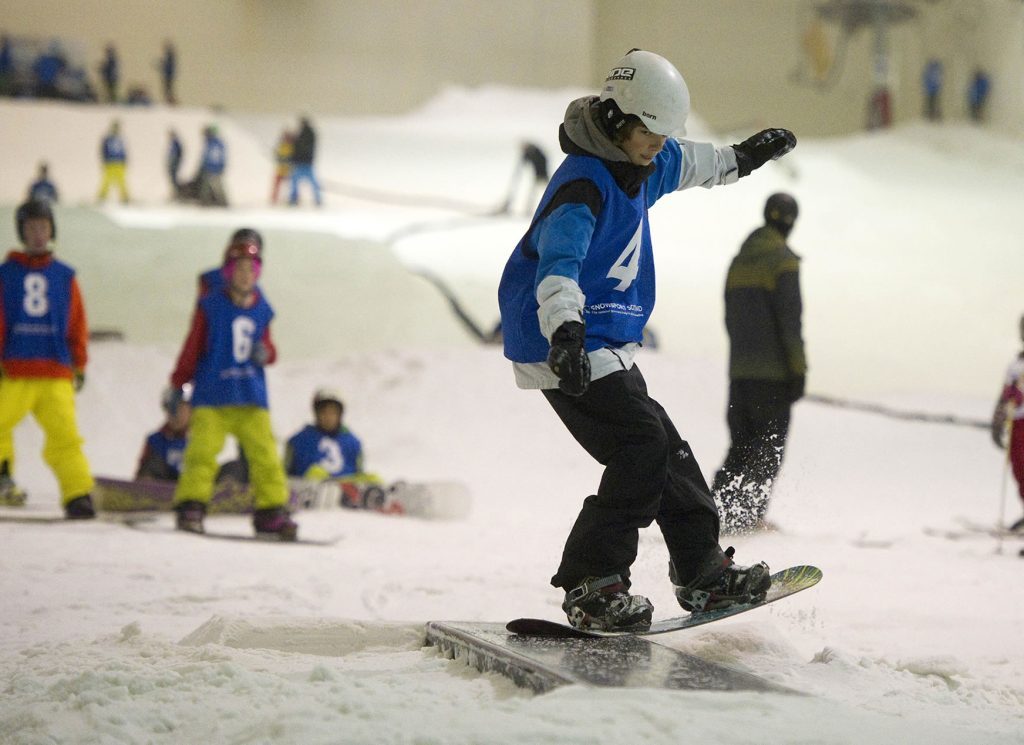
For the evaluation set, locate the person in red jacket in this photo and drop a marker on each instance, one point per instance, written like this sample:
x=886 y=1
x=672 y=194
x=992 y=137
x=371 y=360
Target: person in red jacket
x=1008 y=422
x=43 y=335
x=228 y=346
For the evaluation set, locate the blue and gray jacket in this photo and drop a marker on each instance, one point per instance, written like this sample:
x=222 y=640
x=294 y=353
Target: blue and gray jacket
x=587 y=254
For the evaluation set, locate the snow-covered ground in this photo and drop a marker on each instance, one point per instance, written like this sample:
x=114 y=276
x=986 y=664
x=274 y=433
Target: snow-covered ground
x=911 y=256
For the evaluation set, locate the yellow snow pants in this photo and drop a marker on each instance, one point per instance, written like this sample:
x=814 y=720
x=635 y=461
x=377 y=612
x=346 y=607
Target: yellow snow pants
x=251 y=427
x=113 y=174
x=52 y=402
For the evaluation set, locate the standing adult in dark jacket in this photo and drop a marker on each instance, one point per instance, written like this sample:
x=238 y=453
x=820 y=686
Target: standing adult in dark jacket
x=303 y=153
x=767 y=365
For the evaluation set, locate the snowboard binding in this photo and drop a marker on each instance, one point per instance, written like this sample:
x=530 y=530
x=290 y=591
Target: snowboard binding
x=721 y=583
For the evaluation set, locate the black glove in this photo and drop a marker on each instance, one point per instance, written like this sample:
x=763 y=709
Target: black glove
x=768 y=144
x=78 y=379
x=260 y=354
x=796 y=388
x=568 y=358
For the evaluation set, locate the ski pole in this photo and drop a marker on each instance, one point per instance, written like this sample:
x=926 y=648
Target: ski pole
x=1011 y=412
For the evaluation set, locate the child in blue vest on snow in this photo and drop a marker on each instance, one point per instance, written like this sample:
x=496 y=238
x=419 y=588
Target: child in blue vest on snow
x=227 y=348
x=43 y=337
x=575 y=297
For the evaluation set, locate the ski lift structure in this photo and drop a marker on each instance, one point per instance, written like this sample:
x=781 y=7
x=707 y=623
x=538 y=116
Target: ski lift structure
x=851 y=16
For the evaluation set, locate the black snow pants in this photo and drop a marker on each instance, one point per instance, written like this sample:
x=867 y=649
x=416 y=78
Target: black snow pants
x=758 y=418
x=650 y=475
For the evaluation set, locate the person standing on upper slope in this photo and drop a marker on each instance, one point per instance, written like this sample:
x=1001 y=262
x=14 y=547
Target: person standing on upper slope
x=115 y=163
x=575 y=297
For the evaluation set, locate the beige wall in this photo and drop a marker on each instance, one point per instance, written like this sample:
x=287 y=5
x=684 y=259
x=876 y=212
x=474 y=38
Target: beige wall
x=326 y=56
x=741 y=58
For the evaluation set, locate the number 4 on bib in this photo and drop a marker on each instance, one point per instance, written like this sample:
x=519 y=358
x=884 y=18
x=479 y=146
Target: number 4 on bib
x=627 y=266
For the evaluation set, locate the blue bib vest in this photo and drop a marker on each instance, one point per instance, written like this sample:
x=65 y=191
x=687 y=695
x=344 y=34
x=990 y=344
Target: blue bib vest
x=225 y=374
x=336 y=454
x=36 y=307
x=170 y=449
x=616 y=274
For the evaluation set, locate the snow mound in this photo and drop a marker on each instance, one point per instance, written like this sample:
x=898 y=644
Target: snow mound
x=322 y=637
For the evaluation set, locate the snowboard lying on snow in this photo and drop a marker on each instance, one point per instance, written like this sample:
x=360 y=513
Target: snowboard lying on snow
x=784 y=583
x=441 y=500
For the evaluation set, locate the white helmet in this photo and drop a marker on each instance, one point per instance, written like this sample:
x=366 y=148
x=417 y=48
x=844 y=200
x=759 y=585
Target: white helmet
x=648 y=86
x=327 y=395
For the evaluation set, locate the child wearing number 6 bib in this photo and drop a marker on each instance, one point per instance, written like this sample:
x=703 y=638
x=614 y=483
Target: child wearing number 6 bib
x=227 y=347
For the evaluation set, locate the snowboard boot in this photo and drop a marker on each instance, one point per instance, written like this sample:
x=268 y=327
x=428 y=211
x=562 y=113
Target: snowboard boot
x=80 y=508
x=275 y=523
x=720 y=583
x=190 y=516
x=606 y=605
x=11 y=495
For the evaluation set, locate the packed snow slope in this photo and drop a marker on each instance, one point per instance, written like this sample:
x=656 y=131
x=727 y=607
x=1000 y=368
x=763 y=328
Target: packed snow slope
x=115 y=635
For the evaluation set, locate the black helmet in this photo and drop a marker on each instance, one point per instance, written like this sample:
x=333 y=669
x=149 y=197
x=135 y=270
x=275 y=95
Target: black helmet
x=780 y=211
x=34 y=208
x=248 y=235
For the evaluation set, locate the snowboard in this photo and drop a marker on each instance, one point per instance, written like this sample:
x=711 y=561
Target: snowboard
x=150 y=495
x=430 y=500
x=28 y=515
x=147 y=526
x=438 y=500
x=784 y=583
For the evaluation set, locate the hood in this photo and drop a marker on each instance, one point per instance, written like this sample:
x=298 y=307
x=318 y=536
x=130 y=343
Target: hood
x=581 y=134
x=581 y=126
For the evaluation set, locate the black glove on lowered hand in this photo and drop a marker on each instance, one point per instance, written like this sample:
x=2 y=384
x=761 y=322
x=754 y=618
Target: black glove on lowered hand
x=768 y=144
x=568 y=358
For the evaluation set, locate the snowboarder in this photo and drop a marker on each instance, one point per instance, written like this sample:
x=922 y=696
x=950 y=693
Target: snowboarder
x=174 y=155
x=162 y=453
x=1008 y=422
x=575 y=296
x=329 y=450
x=115 y=161
x=43 y=189
x=43 y=337
x=931 y=82
x=326 y=449
x=282 y=163
x=303 y=154
x=224 y=356
x=213 y=279
x=767 y=365
x=977 y=95
x=210 y=181
x=110 y=72
x=168 y=67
